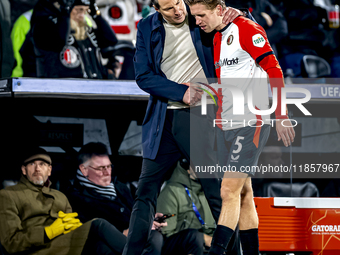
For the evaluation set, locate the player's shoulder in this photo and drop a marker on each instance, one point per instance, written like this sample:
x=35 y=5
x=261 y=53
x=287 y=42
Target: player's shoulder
x=250 y=29
x=245 y=23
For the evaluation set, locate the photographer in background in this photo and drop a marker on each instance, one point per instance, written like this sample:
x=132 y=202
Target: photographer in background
x=64 y=43
x=193 y=225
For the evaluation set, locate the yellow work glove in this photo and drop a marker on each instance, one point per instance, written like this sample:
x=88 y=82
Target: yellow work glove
x=71 y=222
x=67 y=216
x=55 y=229
x=71 y=227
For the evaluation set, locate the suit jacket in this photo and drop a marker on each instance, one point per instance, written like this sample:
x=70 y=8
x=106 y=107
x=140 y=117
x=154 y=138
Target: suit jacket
x=150 y=78
x=25 y=211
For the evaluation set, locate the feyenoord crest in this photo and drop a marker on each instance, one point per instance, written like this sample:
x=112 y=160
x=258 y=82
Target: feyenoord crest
x=230 y=39
x=70 y=57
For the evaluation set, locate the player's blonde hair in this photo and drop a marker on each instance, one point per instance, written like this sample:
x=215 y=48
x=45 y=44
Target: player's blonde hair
x=210 y=4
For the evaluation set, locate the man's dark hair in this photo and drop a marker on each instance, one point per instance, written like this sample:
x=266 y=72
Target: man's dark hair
x=155 y=3
x=91 y=149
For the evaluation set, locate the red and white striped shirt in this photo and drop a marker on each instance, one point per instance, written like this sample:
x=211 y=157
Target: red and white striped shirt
x=244 y=58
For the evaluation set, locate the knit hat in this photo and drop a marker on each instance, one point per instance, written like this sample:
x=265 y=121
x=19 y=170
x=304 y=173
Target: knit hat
x=36 y=154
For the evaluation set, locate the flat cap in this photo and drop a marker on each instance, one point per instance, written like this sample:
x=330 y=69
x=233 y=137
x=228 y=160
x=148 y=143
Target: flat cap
x=37 y=154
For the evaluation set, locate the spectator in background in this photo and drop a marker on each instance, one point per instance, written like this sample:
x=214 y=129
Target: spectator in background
x=309 y=34
x=18 y=7
x=20 y=29
x=36 y=219
x=6 y=50
x=64 y=45
x=95 y=194
x=18 y=35
x=192 y=226
x=267 y=16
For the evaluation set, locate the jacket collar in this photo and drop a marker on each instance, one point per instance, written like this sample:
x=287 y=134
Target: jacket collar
x=157 y=21
x=181 y=176
x=31 y=186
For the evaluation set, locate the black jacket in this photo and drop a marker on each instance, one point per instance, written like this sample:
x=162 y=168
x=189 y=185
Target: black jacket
x=308 y=31
x=57 y=53
x=89 y=204
x=6 y=49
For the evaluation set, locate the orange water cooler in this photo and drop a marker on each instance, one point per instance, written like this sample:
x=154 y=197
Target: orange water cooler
x=296 y=225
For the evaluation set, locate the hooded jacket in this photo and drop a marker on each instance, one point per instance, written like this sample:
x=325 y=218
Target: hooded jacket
x=173 y=199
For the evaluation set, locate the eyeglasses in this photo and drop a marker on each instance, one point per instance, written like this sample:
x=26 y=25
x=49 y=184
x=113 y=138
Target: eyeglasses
x=102 y=168
x=41 y=164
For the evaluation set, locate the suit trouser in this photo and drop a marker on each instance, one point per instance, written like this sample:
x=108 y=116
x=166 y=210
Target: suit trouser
x=105 y=239
x=175 y=143
x=188 y=241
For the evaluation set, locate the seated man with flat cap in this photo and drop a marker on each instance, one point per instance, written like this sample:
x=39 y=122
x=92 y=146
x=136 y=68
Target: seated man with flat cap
x=35 y=219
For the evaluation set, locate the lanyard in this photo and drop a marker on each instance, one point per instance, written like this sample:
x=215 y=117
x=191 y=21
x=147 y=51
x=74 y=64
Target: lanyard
x=198 y=215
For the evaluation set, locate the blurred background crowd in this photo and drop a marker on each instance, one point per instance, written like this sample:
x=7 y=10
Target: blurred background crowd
x=304 y=34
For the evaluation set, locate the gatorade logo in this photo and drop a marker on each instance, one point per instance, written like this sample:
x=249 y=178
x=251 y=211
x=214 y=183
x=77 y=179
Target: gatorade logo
x=326 y=228
x=258 y=40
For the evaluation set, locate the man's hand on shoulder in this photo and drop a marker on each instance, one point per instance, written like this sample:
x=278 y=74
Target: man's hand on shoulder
x=230 y=14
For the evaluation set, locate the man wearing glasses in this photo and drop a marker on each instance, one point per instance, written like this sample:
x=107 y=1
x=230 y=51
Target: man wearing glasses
x=95 y=193
x=36 y=219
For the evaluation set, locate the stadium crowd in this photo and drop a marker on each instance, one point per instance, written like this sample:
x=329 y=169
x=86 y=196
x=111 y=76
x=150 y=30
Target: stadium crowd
x=295 y=29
